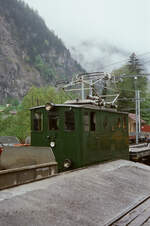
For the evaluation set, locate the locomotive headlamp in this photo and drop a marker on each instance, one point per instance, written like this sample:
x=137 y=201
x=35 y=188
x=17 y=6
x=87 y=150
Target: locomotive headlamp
x=48 y=106
x=52 y=144
x=67 y=163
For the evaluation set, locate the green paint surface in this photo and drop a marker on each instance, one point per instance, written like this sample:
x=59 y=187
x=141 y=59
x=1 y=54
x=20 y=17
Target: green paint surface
x=82 y=146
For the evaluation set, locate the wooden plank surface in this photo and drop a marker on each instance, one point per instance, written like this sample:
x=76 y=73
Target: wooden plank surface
x=136 y=217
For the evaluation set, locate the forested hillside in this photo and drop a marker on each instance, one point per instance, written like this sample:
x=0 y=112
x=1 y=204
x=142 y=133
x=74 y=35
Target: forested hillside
x=30 y=54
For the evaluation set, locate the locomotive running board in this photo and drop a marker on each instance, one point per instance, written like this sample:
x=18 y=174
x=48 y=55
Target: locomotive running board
x=14 y=177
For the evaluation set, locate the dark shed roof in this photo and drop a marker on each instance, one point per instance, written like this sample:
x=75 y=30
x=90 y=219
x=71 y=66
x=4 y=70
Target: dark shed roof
x=92 y=196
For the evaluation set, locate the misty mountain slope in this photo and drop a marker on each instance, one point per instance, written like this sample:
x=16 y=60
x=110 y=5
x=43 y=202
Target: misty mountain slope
x=30 y=54
x=96 y=55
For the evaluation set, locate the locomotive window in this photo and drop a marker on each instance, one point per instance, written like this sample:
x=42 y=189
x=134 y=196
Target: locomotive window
x=53 y=120
x=92 y=121
x=113 y=128
x=105 y=123
x=119 y=123
x=86 y=121
x=124 y=123
x=69 y=120
x=37 y=121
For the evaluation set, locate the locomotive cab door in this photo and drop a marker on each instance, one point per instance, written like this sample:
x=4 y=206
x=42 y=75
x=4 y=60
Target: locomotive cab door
x=62 y=135
x=53 y=128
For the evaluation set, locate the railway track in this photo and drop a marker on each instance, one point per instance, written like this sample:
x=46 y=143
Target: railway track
x=136 y=215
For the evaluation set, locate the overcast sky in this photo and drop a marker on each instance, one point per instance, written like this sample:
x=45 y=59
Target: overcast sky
x=119 y=24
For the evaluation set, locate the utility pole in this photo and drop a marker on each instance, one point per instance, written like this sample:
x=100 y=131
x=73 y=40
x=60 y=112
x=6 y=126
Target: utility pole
x=138 y=121
x=91 y=88
x=82 y=88
x=137 y=110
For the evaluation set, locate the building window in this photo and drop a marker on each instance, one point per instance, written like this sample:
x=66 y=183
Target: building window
x=92 y=121
x=37 y=121
x=69 y=120
x=53 y=120
x=86 y=121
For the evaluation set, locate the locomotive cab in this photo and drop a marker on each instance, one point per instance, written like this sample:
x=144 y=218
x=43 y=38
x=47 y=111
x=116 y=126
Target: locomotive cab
x=57 y=128
x=80 y=135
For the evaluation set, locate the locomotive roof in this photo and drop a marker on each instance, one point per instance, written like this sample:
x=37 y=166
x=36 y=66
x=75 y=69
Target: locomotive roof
x=86 y=106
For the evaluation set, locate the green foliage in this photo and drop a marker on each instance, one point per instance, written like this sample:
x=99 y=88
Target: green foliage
x=126 y=86
x=44 y=68
x=27 y=59
x=128 y=82
x=40 y=96
x=14 y=125
x=19 y=124
x=46 y=42
x=134 y=64
x=12 y=101
x=145 y=107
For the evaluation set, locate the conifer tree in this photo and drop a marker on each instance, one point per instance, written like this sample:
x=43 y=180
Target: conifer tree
x=134 y=64
x=129 y=80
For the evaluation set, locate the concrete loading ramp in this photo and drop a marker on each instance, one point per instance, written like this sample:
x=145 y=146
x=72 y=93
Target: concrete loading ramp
x=19 y=165
x=92 y=196
x=16 y=157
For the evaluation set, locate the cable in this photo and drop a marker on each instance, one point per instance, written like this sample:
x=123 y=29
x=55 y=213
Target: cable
x=124 y=60
x=117 y=89
x=105 y=87
x=146 y=61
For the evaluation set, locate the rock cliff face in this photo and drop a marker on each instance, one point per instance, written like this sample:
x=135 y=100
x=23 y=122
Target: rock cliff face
x=30 y=54
x=16 y=76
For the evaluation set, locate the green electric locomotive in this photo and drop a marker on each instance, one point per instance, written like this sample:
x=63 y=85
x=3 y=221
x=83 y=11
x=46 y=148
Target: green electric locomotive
x=80 y=134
